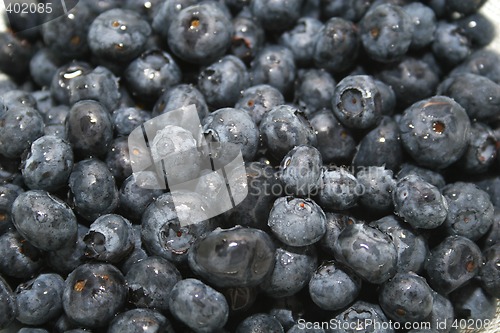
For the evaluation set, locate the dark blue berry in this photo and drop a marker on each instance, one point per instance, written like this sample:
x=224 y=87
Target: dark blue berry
x=59 y=86
x=248 y=38
x=19 y=127
x=258 y=100
x=335 y=223
x=314 y=90
x=180 y=96
x=430 y=176
x=424 y=23
x=451 y=46
x=8 y=304
x=43 y=66
x=71 y=255
x=260 y=322
x=126 y=119
x=8 y=194
x=166 y=12
x=338 y=189
x=478 y=28
x=378 y=184
x=15 y=54
x=140 y=321
x=489 y=272
x=467 y=7
x=276 y=14
x=135 y=196
x=472 y=304
x=274 y=65
x=300 y=171
x=118 y=159
x=301 y=40
x=362 y=312
x=19 y=258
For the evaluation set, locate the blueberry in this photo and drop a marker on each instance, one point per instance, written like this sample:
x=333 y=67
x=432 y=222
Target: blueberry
x=430 y=176
x=98 y=85
x=162 y=233
x=452 y=263
x=336 y=45
x=350 y=10
x=126 y=119
x=477 y=94
x=165 y=13
x=259 y=322
x=118 y=159
x=258 y=100
x=406 y=297
x=296 y=221
x=386 y=32
x=274 y=65
x=200 y=33
x=66 y=35
x=93 y=189
x=470 y=211
x=478 y=28
x=464 y=8
x=179 y=96
x=48 y=164
x=32 y=330
x=40 y=300
x=361 y=312
x=93 y=294
x=314 y=90
x=135 y=198
x=8 y=194
x=8 y=304
x=283 y=128
x=71 y=255
x=301 y=40
x=293 y=268
x=424 y=22
x=335 y=223
x=419 y=203
x=482 y=150
x=197 y=305
x=150 y=282
x=118 y=35
x=442 y=312
x=368 y=251
x=43 y=66
x=20 y=259
x=489 y=272
x=451 y=46
x=89 y=128
x=59 y=86
x=140 y=321
x=411 y=79
x=473 y=304
x=287 y=310
x=300 y=171
x=212 y=257
x=276 y=14
x=387 y=96
x=146 y=8
x=435 y=131
x=151 y=74
x=19 y=127
x=18 y=98
x=338 y=189
x=482 y=62
x=15 y=54
x=56 y=115
x=412 y=247
x=492 y=237
x=378 y=184
x=380 y=147
x=231 y=128
x=334 y=286
x=335 y=142
x=248 y=38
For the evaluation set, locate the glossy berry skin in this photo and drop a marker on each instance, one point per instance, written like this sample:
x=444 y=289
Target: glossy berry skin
x=135 y=197
x=283 y=128
x=380 y=147
x=59 y=86
x=411 y=246
x=386 y=32
x=166 y=12
x=20 y=259
x=140 y=321
x=71 y=255
x=44 y=220
x=489 y=272
x=223 y=81
x=161 y=232
x=118 y=35
x=211 y=256
x=430 y=176
x=15 y=54
x=197 y=305
x=260 y=322
x=39 y=300
x=368 y=251
x=350 y=10
x=297 y=221
x=334 y=286
x=89 y=128
x=8 y=304
x=293 y=268
x=424 y=23
x=337 y=45
x=442 y=311
x=360 y=311
x=451 y=46
x=48 y=164
x=482 y=62
x=179 y=96
x=435 y=131
x=335 y=142
x=8 y=194
x=335 y=223
x=19 y=127
x=452 y=263
x=357 y=102
x=93 y=189
x=378 y=184
x=66 y=35
x=300 y=171
x=258 y=100
x=419 y=203
x=151 y=74
x=301 y=40
x=200 y=33
x=276 y=14
x=471 y=302
x=118 y=159
x=99 y=85
x=464 y=7
x=406 y=297
x=274 y=65
x=478 y=29
x=314 y=90
x=150 y=282
x=126 y=119
x=93 y=293
x=232 y=128
x=470 y=212
x=109 y=238
x=43 y=66
x=482 y=150
x=338 y=189
x=248 y=38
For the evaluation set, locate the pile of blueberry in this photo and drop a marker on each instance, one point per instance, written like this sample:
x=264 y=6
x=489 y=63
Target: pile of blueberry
x=370 y=131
